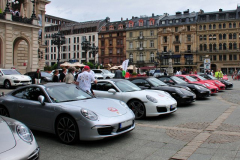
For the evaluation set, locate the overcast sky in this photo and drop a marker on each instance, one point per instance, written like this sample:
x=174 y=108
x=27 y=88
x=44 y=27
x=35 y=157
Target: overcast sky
x=87 y=10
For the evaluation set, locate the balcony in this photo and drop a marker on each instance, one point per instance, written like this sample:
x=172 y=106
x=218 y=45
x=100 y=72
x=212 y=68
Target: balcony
x=140 y=62
x=176 y=42
x=140 y=48
x=141 y=37
x=188 y=51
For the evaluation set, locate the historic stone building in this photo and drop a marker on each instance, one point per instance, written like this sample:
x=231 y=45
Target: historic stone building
x=141 y=40
x=177 y=34
x=112 y=43
x=21 y=43
x=75 y=33
x=218 y=38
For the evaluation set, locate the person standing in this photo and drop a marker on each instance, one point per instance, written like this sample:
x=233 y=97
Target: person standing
x=55 y=76
x=195 y=72
x=127 y=75
x=118 y=73
x=217 y=74
x=220 y=74
x=37 y=77
x=62 y=75
x=147 y=72
x=84 y=79
x=69 y=78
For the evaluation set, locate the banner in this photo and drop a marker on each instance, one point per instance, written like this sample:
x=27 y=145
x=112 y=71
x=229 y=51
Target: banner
x=207 y=64
x=125 y=64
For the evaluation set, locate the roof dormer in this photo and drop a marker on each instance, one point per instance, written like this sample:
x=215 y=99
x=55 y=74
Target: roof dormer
x=140 y=22
x=120 y=26
x=151 y=22
x=103 y=28
x=130 y=23
x=111 y=28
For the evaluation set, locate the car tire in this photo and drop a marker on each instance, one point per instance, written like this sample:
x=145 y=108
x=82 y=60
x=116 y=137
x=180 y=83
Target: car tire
x=138 y=108
x=67 y=130
x=7 y=84
x=107 y=77
x=4 y=111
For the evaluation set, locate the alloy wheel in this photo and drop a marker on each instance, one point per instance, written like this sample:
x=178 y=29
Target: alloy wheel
x=138 y=109
x=67 y=130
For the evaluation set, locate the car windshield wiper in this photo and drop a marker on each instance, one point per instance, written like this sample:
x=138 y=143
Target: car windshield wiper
x=69 y=100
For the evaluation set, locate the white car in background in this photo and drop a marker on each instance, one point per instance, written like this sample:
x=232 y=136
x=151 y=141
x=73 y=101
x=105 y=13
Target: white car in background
x=141 y=102
x=12 y=78
x=105 y=73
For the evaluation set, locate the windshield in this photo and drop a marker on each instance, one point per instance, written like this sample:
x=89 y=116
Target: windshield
x=191 y=79
x=212 y=77
x=10 y=72
x=177 y=80
x=202 y=78
x=97 y=71
x=45 y=74
x=66 y=93
x=106 y=71
x=155 y=82
x=127 y=86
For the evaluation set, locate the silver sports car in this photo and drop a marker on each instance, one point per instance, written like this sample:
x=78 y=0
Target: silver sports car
x=16 y=140
x=68 y=112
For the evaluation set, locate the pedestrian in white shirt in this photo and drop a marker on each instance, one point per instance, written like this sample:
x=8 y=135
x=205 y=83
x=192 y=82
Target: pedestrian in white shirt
x=85 y=78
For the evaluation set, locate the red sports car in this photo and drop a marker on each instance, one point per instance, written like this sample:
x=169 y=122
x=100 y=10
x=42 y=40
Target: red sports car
x=217 y=83
x=189 y=79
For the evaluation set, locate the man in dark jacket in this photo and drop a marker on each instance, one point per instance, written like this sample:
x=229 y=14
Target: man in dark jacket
x=37 y=77
x=62 y=75
x=118 y=73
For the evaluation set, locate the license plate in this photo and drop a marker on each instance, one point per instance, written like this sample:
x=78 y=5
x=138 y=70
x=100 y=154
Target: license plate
x=172 y=107
x=125 y=124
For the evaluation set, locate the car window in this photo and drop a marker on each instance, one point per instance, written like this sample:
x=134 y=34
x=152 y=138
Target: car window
x=97 y=71
x=139 y=82
x=127 y=86
x=10 y=72
x=45 y=74
x=30 y=93
x=165 y=79
x=103 y=86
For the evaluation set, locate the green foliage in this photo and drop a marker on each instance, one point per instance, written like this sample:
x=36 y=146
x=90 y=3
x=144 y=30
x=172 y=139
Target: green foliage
x=0 y=10
x=47 y=68
x=54 y=66
x=134 y=73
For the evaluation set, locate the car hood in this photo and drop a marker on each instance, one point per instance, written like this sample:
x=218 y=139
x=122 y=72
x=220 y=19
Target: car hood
x=102 y=106
x=161 y=96
x=6 y=137
x=19 y=77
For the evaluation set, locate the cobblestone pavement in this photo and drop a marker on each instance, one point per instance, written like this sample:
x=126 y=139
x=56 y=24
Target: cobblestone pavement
x=208 y=129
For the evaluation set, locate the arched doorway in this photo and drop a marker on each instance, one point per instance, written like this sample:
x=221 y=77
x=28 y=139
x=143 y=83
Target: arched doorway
x=214 y=67
x=21 y=52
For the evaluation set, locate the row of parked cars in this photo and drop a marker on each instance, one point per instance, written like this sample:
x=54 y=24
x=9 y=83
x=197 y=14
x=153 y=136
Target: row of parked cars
x=73 y=114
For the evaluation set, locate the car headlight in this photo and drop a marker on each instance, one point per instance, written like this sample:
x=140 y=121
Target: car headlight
x=123 y=104
x=14 y=78
x=197 y=87
x=207 y=85
x=152 y=99
x=178 y=91
x=89 y=114
x=24 y=133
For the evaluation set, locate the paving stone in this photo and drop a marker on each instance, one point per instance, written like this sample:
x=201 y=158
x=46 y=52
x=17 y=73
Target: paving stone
x=200 y=157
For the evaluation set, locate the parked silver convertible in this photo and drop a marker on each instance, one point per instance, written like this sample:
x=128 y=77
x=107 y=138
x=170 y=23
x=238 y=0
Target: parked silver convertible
x=16 y=140
x=68 y=112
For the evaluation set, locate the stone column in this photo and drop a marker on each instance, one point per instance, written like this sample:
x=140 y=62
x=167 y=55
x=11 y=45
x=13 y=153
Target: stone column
x=33 y=52
x=8 y=61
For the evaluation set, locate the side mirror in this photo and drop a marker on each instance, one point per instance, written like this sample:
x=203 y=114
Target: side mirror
x=147 y=85
x=41 y=99
x=113 y=91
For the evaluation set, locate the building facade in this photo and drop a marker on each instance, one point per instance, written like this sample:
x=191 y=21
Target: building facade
x=21 y=44
x=141 y=40
x=75 y=33
x=218 y=39
x=112 y=43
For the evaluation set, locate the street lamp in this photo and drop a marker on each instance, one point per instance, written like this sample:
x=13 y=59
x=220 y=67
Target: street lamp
x=170 y=67
x=86 y=46
x=159 y=58
x=58 y=39
x=94 y=51
x=156 y=64
x=7 y=7
x=33 y=12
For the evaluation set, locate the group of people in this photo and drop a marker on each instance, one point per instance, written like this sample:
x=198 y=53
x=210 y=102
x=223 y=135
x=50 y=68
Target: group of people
x=236 y=75
x=184 y=71
x=219 y=74
x=15 y=13
x=83 y=80
x=120 y=73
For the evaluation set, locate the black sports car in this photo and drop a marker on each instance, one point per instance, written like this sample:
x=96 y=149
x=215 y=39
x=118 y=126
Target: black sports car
x=181 y=95
x=46 y=77
x=227 y=83
x=200 y=91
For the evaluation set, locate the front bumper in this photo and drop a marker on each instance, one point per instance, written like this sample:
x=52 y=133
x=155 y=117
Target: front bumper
x=20 y=83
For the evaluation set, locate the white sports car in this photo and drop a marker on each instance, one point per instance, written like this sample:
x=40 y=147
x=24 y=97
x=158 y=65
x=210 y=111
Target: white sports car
x=11 y=77
x=142 y=102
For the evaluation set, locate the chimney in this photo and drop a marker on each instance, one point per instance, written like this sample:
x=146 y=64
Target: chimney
x=121 y=19
x=220 y=10
x=127 y=19
x=152 y=14
x=132 y=17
